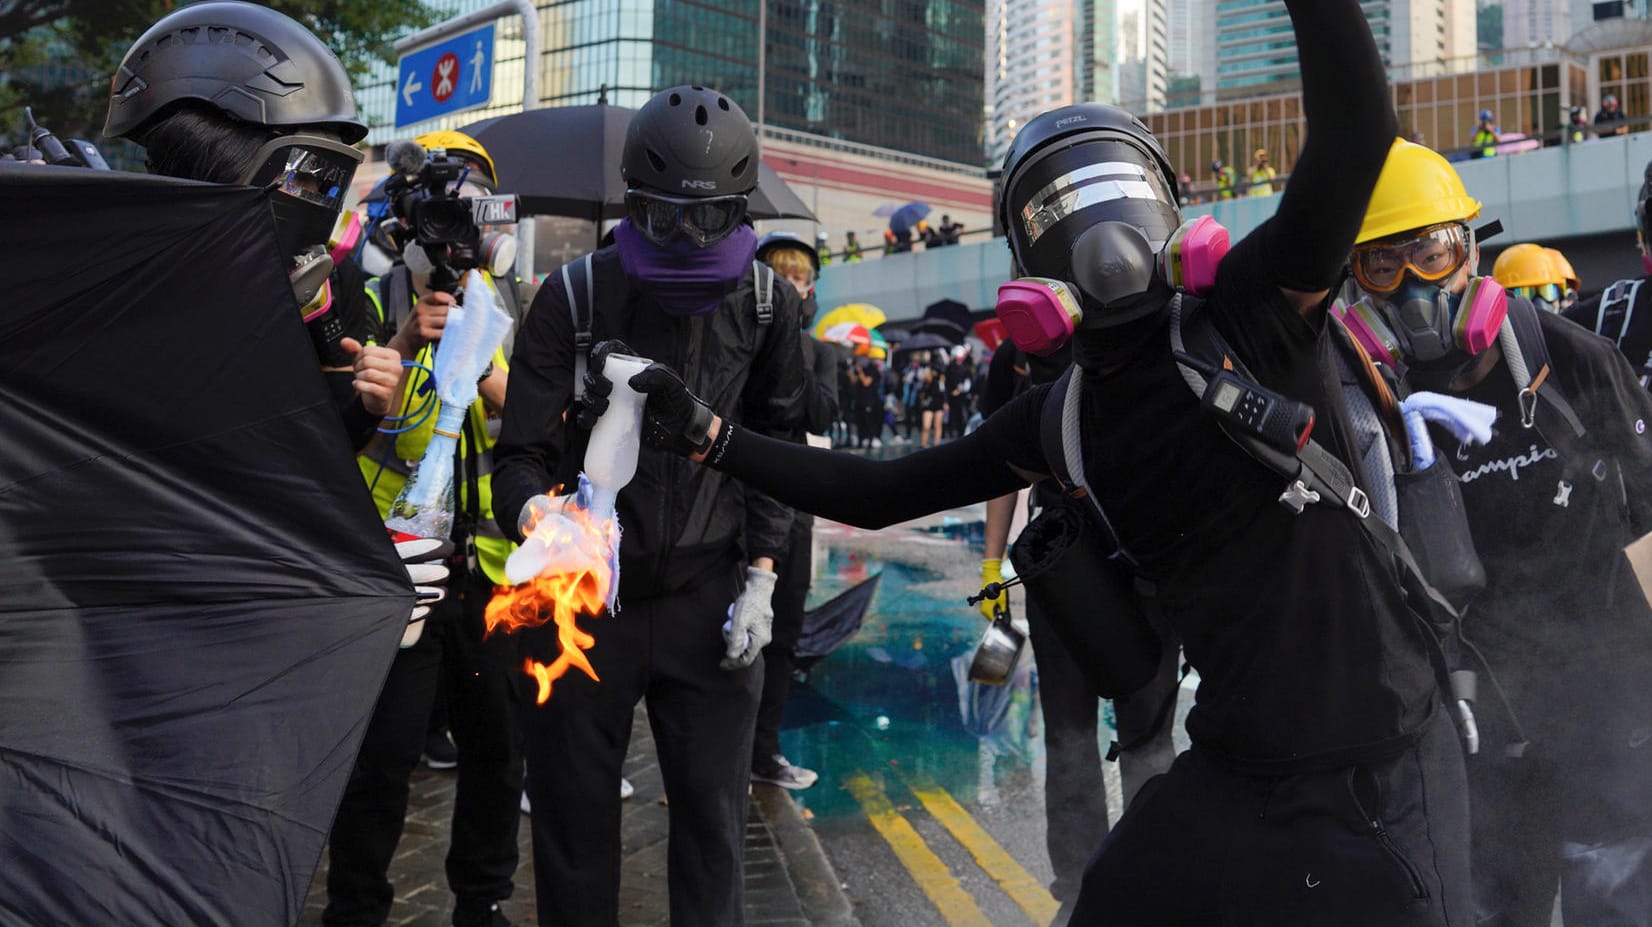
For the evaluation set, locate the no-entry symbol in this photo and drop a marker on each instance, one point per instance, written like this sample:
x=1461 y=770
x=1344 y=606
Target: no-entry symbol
x=445 y=79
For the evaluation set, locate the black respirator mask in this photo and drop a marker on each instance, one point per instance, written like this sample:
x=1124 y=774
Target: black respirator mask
x=1096 y=214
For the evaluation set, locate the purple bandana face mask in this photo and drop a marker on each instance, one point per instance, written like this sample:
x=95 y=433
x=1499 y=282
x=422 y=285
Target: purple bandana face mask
x=683 y=278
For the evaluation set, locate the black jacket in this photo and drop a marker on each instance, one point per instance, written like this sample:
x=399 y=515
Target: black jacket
x=680 y=519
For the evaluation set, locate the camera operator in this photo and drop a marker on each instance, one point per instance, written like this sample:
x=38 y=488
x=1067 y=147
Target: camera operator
x=679 y=283
x=432 y=192
x=1325 y=784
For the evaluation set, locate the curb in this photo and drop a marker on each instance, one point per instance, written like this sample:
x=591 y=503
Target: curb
x=819 y=892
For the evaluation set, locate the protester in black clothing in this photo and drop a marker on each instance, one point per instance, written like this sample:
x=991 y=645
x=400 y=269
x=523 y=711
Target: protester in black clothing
x=795 y=261
x=680 y=286
x=1567 y=634
x=931 y=406
x=1325 y=783
x=949 y=230
x=960 y=382
x=1623 y=311
x=1075 y=800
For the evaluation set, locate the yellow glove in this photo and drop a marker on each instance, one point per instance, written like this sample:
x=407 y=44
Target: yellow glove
x=991 y=573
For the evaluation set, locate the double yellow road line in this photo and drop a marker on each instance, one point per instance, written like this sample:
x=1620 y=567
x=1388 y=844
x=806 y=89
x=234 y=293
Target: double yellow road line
x=930 y=872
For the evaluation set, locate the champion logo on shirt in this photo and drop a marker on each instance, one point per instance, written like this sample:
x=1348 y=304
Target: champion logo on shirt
x=1511 y=465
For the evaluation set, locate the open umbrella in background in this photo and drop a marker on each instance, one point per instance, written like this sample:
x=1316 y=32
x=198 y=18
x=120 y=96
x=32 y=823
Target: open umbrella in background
x=904 y=218
x=923 y=341
x=860 y=313
x=991 y=332
x=853 y=334
x=877 y=348
x=564 y=161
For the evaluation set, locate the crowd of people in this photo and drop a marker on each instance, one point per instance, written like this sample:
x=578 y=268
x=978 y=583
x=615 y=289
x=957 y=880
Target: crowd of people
x=921 y=399
x=1335 y=468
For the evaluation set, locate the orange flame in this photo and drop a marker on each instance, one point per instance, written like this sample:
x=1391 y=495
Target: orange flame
x=559 y=596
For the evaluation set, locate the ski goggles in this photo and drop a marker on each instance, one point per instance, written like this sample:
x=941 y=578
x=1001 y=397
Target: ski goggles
x=704 y=219
x=305 y=167
x=1548 y=292
x=1432 y=254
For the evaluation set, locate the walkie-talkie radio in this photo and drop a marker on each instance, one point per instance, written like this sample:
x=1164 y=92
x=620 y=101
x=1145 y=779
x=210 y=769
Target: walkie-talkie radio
x=1282 y=422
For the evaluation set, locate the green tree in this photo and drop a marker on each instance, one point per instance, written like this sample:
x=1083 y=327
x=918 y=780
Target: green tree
x=59 y=55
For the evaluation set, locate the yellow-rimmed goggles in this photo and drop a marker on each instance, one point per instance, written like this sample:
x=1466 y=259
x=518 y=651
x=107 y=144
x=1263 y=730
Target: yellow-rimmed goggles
x=1431 y=254
x=1548 y=292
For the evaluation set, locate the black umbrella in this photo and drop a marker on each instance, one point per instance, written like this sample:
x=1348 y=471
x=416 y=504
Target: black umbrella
x=923 y=341
x=944 y=328
x=564 y=161
x=828 y=625
x=950 y=310
x=199 y=602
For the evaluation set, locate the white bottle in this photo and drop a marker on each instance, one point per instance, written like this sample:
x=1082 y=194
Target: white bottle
x=611 y=456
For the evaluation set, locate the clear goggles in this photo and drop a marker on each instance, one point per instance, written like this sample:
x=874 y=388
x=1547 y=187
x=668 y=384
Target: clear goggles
x=1548 y=292
x=1431 y=254
x=307 y=168
x=704 y=219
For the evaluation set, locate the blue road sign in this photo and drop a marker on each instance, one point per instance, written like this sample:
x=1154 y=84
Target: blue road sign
x=452 y=75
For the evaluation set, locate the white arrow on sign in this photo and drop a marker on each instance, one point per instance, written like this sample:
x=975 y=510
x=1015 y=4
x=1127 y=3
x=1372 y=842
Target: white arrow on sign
x=411 y=87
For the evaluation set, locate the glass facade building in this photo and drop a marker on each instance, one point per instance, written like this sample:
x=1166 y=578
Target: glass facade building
x=900 y=74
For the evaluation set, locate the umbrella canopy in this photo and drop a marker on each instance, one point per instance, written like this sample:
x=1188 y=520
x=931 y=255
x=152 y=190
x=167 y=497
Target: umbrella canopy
x=199 y=603
x=861 y=313
x=907 y=216
x=564 y=161
x=924 y=341
x=991 y=332
x=949 y=310
x=828 y=625
x=877 y=348
x=852 y=333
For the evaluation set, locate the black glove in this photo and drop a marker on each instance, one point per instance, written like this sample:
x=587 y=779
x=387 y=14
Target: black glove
x=590 y=407
x=674 y=419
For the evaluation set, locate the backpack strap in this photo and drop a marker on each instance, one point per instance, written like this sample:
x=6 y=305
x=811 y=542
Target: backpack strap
x=1059 y=435
x=763 y=289
x=1527 y=353
x=395 y=298
x=1618 y=305
x=578 y=275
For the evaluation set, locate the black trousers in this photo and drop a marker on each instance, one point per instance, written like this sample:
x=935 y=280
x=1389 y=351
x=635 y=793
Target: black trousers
x=1075 y=800
x=475 y=672
x=664 y=650
x=790 y=594
x=1384 y=845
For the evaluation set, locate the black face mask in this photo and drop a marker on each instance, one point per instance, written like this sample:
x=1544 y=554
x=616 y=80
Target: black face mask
x=1102 y=350
x=308 y=178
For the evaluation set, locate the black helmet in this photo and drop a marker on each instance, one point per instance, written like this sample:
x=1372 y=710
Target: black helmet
x=1090 y=198
x=690 y=141
x=250 y=62
x=777 y=239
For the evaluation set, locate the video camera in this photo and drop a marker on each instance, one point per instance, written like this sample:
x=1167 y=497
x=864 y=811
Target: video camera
x=423 y=191
x=44 y=146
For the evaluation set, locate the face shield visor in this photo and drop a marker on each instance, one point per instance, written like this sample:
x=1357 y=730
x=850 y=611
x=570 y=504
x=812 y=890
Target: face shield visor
x=308 y=178
x=1095 y=213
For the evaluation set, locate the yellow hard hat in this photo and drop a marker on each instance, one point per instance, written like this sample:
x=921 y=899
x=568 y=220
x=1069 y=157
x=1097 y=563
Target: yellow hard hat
x=1418 y=188
x=458 y=143
x=1526 y=264
x=1565 y=268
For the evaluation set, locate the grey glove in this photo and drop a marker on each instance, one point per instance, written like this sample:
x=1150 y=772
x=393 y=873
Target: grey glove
x=751 y=620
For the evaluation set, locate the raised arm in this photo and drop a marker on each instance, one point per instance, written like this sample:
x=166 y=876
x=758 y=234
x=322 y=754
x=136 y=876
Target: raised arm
x=1351 y=126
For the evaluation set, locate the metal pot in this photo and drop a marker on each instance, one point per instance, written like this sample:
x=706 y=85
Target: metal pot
x=996 y=655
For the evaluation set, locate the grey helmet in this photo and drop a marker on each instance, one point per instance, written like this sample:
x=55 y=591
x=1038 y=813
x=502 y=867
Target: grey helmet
x=246 y=60
x=690 y=141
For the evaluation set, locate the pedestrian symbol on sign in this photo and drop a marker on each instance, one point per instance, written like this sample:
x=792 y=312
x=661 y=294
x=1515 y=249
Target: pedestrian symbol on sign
x=446 y=77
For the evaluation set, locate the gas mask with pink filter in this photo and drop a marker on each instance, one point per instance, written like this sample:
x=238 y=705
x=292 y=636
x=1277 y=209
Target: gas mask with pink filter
x=1410 y=317
x=1089 y=209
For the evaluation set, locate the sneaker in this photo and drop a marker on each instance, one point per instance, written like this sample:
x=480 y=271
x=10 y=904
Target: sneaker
x=492 y=917
x=782 y=773
x=626 y=788
x=439 y=751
